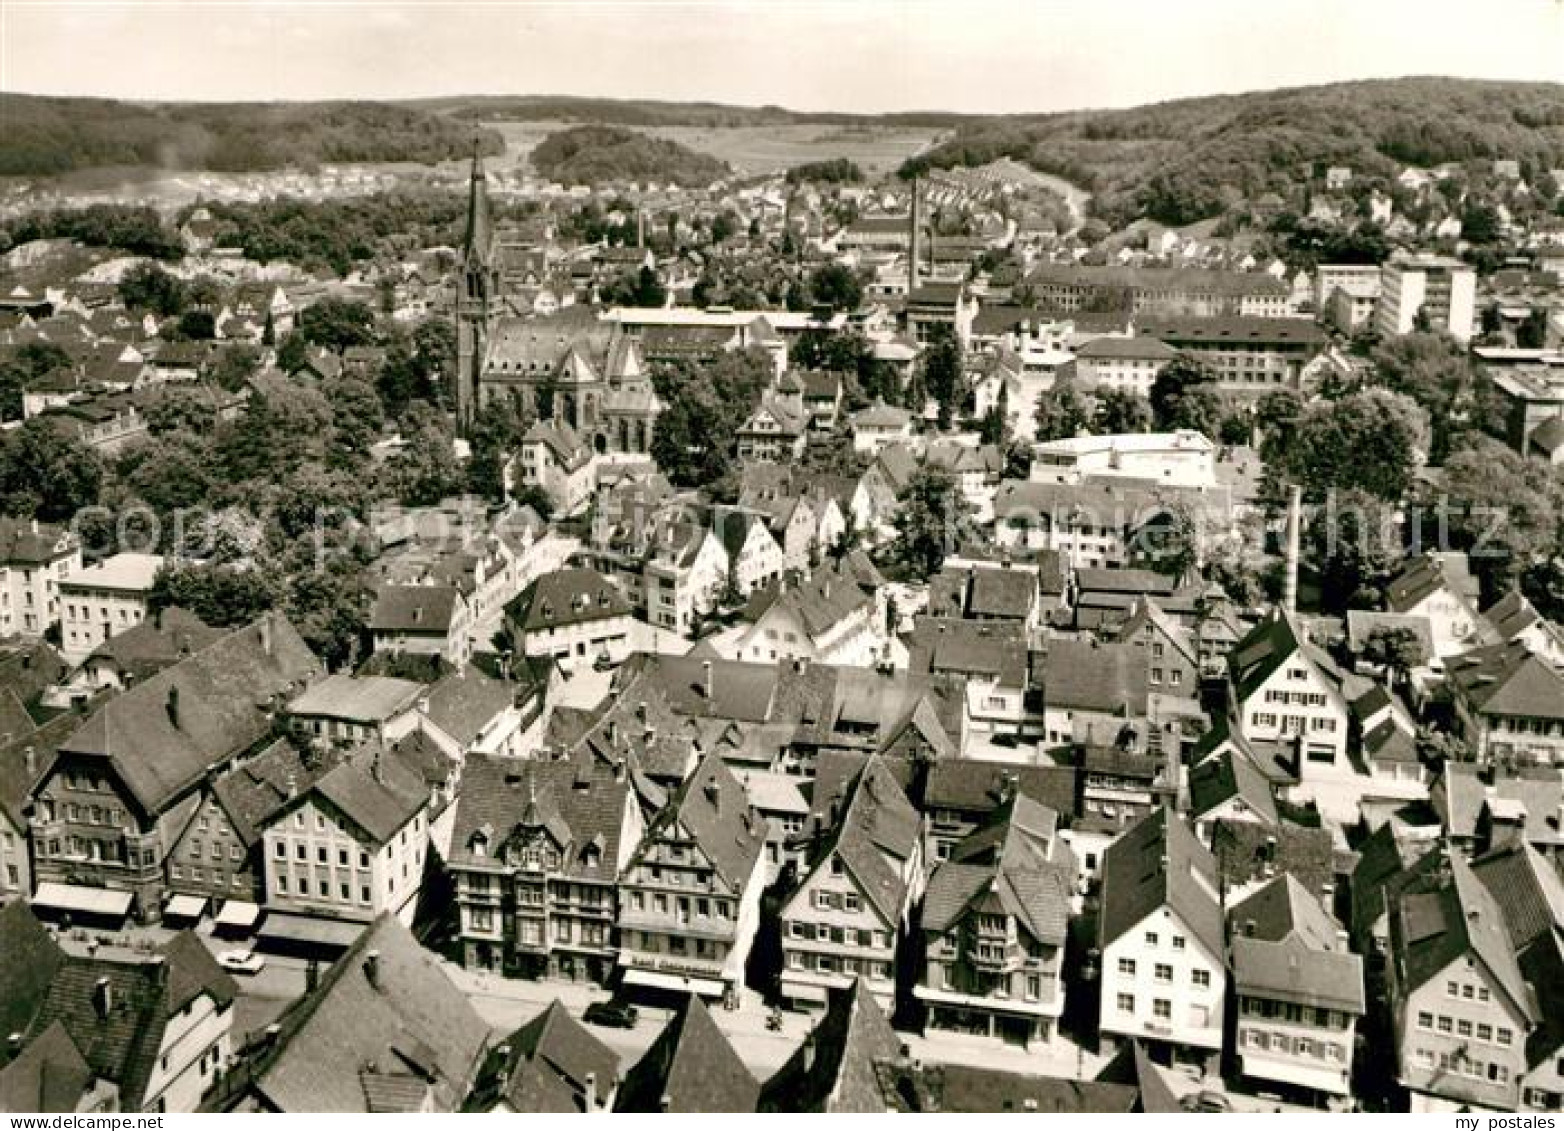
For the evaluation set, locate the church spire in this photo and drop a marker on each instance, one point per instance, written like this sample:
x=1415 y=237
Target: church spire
x=480 y=232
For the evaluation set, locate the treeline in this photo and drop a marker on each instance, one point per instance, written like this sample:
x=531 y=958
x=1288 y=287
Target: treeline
x=127 y=227
x=835 y=171
x=643 y=112
x=593 y=155
x=1179 y=162
x=46 y=136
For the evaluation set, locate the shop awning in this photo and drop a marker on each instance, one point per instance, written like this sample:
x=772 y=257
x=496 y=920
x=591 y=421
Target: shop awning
x=706 y=987
x=237 y=913
x=316 y=932
x=82 y=900
x=803 y=991
x=186 y=907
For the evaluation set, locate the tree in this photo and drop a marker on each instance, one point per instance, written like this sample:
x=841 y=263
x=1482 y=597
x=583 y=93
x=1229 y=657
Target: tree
x=1169 y=542
x=1437 y=372
x=496 y=432
x=941 y=369
x=1394 y=648
x=696 y=435
x=836 y=286
x=931 y=520
x=1121 y=411
x=356 y=419
x=1277 y=414
x=994 y=428
x=1061 y=412
x=146 y=286
x=269 y=331
x=292 y=353
x=232 y=366
x=1355 y=543
x=197 y=325
x=424 y=470
x=337 y=323
x=1371 y=441
x=1532 y=333
x=222 y=596
x=45 y=473
x=22 y=369
x=1173 y=383
x=1503 y=509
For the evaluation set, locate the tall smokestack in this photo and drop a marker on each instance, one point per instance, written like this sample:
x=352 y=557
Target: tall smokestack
x=1294 y=535
x=914 y=221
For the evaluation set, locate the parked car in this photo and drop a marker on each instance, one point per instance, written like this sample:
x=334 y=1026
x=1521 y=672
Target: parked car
x=241 y=961
x=613 y=1015
x=1207 y=1101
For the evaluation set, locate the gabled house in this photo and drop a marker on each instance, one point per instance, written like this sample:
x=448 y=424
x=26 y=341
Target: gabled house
x=1439 y=586
x=351 y=845
x=755 y=557
x=1299 y=990
x=778 y=429
x=575 y=615
x=556 y=461
x=861 y=877
x=879 y=426
x=536 y=851
x=153 y=1032
x=421 y=620
x=1171 y=654
x=120 y=789
x=1460 y=1005
x=1286 y=695
x=684 y=574
x=689 y=896
x=833 y=615
x=995 y=919
x=1509 y=704
x=1093 y=693
x=1164 y=967
x=1513 y=617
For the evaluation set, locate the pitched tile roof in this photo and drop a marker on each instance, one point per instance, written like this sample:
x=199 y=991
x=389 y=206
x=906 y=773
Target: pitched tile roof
x=580 y=800
x=544 y=1066
x=1159 y=863
x=408 y=1019
x=690 y=1067
x=908 y=1086
x=161 y=736
x=713 y=808
x=414 y=608
x=32 y=959
x=49 y=1075
x=833 y=1072
x=1528 y=889
x=874 y=831
x=1230 y=774
x=1507 y=679
x=1291 y=970
x=1092 y=676
x=464 y=703
x=567 y=597
x=977 y=786
x=357 y=698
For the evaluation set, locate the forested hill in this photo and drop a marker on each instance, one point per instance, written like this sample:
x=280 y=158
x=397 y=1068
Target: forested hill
x=1182 y=161
x=43 y=136
x=650 y=113
x=592 y=155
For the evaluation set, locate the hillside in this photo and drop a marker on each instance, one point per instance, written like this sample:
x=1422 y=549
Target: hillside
x=650 y=113
x=593 y=155
x=1178 y=162
x=44 y=136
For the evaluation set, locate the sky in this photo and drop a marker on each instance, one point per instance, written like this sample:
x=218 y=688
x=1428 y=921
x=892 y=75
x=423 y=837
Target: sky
x=1001 y=56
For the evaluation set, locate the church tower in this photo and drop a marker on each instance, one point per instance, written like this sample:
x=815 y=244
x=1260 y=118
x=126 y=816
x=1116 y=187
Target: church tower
x=477 y=298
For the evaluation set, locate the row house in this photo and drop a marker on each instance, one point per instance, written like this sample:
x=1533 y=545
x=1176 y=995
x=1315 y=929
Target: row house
x=1092 y=524
x=1460 y=1005
x=556 y=461
x=961 y=795
x=345 y=710
x=777 y=430
x=428 y=620
x=805 y=520
x=577 y=616
x=1440 y=588
x=129 y=1033
x=1298 y=989
x=33 y=559
x=689 y=896
x=755 y=557
x=103 y=600
x=1509 y=704
x=834 y=615
x=122 y=786
x=353 y=844
x=537 y=849
x=1160 y=935
x=991 y=661
x=684 y=574
x=995 y=922
x=860 y=880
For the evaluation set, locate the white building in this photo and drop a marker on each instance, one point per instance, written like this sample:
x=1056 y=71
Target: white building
x=1184 y=458
x=103 y=600
x=1444 y=290
x=33 y=558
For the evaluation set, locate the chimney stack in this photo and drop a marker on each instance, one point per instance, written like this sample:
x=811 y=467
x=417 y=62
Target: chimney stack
x=666 y=1103
x=372 y=968
x=14 y=1045
x=31 y=755
x=706 y=687
x=173 y=706
x=102 y=999
x=591 y=1091
x=266 y=634
x=1294 y=535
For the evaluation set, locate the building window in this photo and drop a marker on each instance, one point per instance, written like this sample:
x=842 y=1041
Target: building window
x=1425 y=1020
x=1201 y=978
x=1178 y=942
x=1151 y=938
x=1127 y=967
x=1163 y=972
x=1126 y=1003
x=1162 y=1008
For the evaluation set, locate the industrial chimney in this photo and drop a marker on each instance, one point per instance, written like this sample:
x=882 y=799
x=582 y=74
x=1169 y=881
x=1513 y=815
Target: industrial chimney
x=1294 y=536
x=914 y=221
